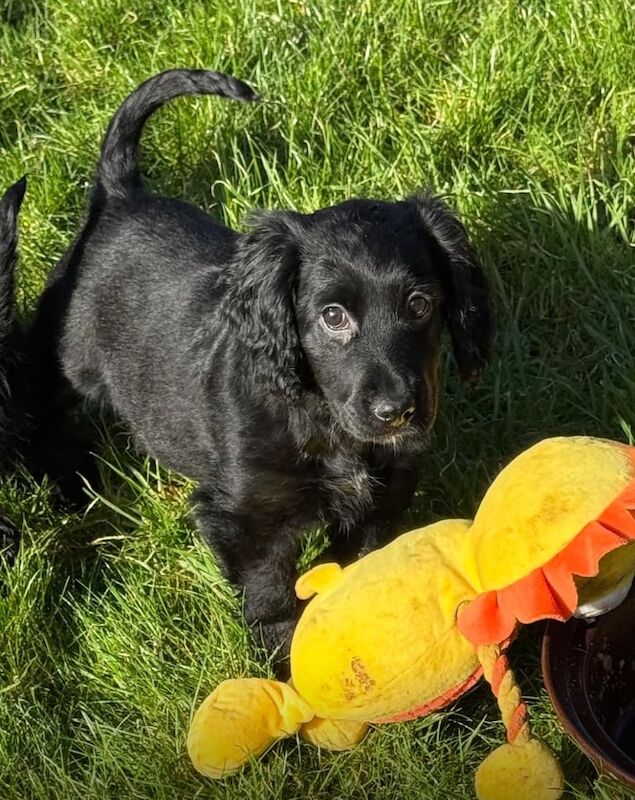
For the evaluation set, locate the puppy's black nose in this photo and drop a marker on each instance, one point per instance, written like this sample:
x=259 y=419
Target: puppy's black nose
x=394 y=412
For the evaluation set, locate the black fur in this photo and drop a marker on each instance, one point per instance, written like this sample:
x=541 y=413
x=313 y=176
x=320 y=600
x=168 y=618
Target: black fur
x=212 y=347
x=12 y=382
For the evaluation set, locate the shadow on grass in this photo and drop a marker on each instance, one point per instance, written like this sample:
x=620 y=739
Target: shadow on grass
x=563 y=364
x=16 y=13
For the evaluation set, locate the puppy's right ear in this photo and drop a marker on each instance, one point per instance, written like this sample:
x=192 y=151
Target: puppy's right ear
x=261 y=300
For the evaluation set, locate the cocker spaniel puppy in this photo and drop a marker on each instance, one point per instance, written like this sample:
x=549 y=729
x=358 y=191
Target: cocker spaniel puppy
x=290 y=370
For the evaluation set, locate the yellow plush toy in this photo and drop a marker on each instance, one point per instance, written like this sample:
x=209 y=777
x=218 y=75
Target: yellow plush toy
x=410 y=627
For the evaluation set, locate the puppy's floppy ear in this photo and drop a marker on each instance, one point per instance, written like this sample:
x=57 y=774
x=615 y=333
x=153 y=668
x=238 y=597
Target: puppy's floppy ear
x=468 y=299
x=261 y=300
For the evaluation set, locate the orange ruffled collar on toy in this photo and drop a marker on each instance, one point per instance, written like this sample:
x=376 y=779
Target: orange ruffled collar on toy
x=549 y=592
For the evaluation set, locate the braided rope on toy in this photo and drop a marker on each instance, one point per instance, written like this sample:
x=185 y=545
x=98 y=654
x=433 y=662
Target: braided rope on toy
x=510 y=702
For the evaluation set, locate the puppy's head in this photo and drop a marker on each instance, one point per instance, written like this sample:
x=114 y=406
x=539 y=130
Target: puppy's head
x=354 y=298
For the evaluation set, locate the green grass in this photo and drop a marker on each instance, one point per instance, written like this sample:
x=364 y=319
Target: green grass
x=116 y=624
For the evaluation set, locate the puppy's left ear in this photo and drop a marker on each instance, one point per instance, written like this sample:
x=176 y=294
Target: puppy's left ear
x=468 y=302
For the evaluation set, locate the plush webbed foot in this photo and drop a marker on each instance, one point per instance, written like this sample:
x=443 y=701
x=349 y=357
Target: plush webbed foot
x=240 y=720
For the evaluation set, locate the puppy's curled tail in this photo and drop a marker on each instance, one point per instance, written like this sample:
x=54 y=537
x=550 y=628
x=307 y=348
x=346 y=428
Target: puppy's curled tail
x=118 y=171
x=10 y=204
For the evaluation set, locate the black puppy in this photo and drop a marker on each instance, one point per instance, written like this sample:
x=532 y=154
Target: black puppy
x=12 y=383
x=290 y=370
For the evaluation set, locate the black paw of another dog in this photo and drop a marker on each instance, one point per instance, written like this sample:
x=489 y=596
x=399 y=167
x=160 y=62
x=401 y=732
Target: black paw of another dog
x=9 y=541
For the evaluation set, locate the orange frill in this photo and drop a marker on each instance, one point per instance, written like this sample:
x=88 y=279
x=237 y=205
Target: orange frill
x=549 y=592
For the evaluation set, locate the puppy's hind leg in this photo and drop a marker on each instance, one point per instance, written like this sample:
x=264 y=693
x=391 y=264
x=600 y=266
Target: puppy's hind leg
x=58 y=446
x=59 y=443
x=62 y=451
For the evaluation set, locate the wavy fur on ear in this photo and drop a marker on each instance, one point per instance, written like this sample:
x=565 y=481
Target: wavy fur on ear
x=261 y=298
x=468 y=303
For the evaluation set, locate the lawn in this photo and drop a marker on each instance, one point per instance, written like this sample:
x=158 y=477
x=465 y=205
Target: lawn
x=116 y=623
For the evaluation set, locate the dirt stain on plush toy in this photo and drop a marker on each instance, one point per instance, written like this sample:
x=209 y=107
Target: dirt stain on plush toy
x=361 y=683
x=363 y=678
x=553 y=508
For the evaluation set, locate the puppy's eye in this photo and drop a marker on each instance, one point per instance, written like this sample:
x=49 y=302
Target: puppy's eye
x=335 y=318
x=419 y=305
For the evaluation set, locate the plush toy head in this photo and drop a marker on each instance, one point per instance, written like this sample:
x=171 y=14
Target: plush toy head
x=411 y=627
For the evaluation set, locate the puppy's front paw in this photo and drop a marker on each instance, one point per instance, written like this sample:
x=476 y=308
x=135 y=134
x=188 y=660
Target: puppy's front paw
x=275 y=638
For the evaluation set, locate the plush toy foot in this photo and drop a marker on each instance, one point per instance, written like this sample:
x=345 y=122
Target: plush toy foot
x=527 y=771
x=331 y=734
x=241 y=719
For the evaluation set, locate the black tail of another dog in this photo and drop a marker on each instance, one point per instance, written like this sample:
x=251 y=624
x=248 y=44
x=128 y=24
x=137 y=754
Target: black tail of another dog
x=9 y=208
x=10 y=204
x=118 y=171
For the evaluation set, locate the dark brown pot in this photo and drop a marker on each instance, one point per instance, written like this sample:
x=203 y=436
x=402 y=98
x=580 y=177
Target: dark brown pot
x=589 y=671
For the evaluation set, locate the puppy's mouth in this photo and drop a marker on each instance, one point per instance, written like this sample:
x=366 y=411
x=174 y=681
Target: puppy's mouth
x=389 y=437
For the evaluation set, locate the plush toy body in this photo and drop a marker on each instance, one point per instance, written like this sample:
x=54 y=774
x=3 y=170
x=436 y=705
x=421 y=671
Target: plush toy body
x=411 y=627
